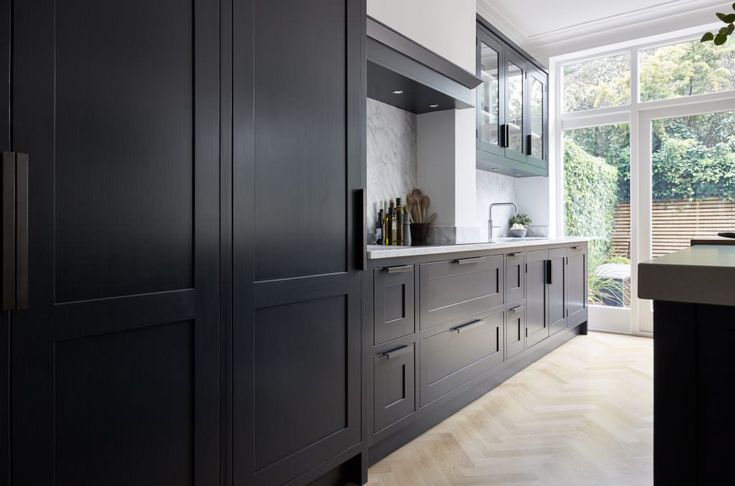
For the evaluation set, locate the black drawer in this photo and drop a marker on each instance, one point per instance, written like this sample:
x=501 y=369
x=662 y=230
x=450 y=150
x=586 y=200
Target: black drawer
x=393 y=303
x=394 y=386
x=515 y=331
x=515 y=277
x=451 y=358
x=459 y=289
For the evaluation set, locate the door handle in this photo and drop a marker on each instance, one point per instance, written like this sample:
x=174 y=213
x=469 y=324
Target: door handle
x=529 y=141
x=14 y=244
x=395 y=353
x=507 y=135
x=548 y=272
x=502 y=136
x=469 y=326
x=361 y=229
x=399 y=269
x=8 y=229
x=466 y=261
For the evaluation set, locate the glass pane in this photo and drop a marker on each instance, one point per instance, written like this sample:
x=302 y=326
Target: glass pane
x=693 y=179
x=597 y=83
x=537 y=117
x=515 y=107
x=597 y=205
x=686 y=69
x=489 y=95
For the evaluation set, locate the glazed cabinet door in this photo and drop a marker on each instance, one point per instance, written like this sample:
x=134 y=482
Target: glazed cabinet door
x=298 y=237
x=116 y=353
x=514 y=128
x=490 y=109
x=537 y=118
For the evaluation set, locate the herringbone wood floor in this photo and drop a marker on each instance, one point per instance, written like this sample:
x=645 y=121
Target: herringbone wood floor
x=582 y=415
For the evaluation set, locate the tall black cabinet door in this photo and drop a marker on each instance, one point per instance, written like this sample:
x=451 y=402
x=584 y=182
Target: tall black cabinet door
x=115 y=363
x=299 y=116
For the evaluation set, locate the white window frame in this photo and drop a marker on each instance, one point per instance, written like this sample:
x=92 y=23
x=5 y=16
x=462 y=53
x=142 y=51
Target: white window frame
x=638 y=115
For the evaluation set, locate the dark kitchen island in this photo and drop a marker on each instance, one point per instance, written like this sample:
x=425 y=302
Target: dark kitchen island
x=694 y=372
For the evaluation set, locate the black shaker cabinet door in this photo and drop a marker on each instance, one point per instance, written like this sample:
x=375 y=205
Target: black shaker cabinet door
x=298 y=163
x=116 y=359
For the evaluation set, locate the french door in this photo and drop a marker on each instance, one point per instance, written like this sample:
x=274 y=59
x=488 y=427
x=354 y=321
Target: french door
x=679 y=146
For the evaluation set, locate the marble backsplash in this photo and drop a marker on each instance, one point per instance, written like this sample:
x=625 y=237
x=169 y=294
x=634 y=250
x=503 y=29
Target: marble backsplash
x=494 y=188
x=391 y=156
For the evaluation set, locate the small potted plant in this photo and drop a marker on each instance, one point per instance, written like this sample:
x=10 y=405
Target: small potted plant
x=519 y=225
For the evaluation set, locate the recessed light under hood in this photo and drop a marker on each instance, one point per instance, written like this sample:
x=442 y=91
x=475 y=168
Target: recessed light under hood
x=407 y=75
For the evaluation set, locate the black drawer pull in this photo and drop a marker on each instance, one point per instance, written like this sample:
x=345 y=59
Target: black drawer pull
x=512 y=255
x=465 y=261
x=469 y=326
x=395 y=353
x=517 y=309
x=399 y=269
x=575 y=248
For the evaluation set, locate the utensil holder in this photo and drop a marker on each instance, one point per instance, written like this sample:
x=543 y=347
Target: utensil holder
x=419 y=233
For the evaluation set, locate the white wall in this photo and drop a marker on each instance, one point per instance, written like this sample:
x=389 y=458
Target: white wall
x=446 y=141
x=447 y=27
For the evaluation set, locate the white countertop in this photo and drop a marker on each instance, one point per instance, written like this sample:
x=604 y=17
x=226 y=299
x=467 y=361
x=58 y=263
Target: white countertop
x=702 y=274
x=376 y=252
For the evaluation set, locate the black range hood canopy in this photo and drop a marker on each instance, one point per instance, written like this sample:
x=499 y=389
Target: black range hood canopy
x=409 y=76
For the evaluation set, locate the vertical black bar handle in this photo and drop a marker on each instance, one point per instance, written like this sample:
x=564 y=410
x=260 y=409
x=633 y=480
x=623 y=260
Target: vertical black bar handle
x=7 y=212
x=21 y=231
x=361 y=229
x=529 y=144
x=548 y=272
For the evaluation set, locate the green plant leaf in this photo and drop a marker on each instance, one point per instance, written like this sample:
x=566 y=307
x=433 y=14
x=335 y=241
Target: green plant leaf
x=723 y=17
x=729 y=18
x=708 y=36
x=730 y=29
x=720 y=39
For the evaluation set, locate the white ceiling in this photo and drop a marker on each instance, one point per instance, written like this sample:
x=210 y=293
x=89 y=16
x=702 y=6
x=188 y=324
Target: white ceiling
x=560 y=26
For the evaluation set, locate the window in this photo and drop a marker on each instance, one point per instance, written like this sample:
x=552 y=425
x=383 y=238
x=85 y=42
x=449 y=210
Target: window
x=597 y=83
x=686 y=69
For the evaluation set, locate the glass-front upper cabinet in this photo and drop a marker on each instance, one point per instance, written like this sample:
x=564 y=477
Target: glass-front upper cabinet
x=538 y=118
x=489 y=93
x=512 y=105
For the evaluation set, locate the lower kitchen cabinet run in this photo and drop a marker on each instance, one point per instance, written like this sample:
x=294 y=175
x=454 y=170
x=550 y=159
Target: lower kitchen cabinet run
x=448 y=328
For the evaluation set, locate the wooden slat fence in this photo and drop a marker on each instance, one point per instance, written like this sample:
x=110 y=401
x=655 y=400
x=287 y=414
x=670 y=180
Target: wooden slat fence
x=675 y=223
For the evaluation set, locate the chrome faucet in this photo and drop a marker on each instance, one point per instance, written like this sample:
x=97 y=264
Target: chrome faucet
x=490 y=221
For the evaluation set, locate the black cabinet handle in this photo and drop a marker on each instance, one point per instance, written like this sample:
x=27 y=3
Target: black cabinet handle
x=466 y=261
x=469 y=326
x=21 y=231
x=395 y=353
x=511 y=255
x=529 y=141
x=517 y=309
x=361 y=229
x=501 y=136
x=548 y=272
x=8 y=229
x=507 y=135
x=399 y=269
x=14 y=244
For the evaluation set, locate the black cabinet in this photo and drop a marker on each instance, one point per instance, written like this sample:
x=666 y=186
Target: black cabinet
x=512 y=108
x=393 y=302
x=515 y=331
x=555 y=285
x=458 y=289
x=536 y=296
x=394 y=386
x=452 y=357
x=298 y=248
x=116 y=356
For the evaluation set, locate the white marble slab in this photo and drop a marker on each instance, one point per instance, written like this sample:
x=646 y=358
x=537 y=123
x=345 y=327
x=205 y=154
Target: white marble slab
x=380 y=252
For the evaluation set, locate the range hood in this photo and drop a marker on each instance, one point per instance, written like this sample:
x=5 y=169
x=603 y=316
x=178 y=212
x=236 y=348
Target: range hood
x=409 y=76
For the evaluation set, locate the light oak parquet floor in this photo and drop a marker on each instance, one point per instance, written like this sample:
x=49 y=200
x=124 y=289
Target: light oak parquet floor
x=582 y=415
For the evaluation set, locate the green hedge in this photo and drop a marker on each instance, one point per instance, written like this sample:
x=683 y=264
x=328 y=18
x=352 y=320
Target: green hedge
x=590 y=196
